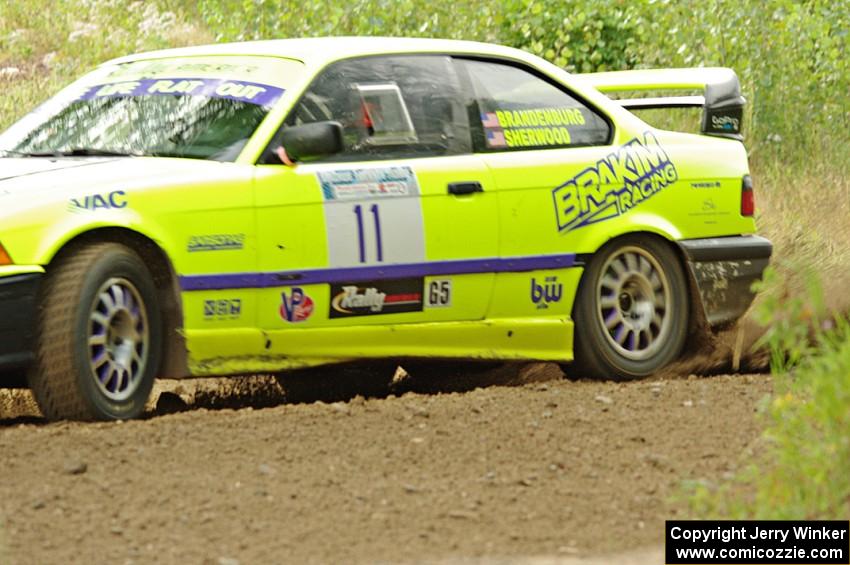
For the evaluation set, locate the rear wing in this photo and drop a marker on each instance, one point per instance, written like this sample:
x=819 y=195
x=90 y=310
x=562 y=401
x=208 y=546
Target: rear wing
x=721 y=101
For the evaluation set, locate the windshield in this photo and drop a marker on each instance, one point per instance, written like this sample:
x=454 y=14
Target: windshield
x=160 y=109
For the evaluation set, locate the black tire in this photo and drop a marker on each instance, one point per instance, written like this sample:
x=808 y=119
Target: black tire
x=626 y=340
x=101 y=292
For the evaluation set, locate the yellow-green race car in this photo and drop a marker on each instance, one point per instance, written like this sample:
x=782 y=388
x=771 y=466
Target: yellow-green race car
x=265 y=206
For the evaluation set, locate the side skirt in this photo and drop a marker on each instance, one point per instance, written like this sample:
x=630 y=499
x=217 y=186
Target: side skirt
x=221 y=352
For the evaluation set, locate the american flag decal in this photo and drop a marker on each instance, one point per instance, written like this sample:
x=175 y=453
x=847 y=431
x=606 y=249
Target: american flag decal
x=489 y=120
x=496 y=138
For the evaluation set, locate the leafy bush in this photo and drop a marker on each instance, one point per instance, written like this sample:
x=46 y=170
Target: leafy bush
x=239 y=20
x=577 y=35
x=788 y=53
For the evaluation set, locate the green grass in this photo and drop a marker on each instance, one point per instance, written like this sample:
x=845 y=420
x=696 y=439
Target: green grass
x=45 y=44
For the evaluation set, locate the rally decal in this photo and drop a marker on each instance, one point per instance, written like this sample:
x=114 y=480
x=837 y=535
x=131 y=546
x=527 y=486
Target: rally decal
x=546 y=291
x=628 y=176
x=439 y=294
x=540 y=127
x=114 y=200
x=223 y=309
x=348 y=184
x=373 y=216
x=191 y=65
x=376 y=297
x=239 y=90
x=216 y=242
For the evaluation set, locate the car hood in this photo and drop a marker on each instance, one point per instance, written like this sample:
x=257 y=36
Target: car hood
x=33 y=182
x=14 y=168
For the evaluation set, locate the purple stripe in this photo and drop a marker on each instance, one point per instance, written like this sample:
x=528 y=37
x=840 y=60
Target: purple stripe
x=376 y=272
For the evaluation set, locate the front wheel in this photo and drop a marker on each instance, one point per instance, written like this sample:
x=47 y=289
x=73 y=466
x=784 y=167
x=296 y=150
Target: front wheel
x=99 y=337
x=631 y=312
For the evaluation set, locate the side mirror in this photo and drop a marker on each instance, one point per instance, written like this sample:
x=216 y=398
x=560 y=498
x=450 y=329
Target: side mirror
x=311 y=141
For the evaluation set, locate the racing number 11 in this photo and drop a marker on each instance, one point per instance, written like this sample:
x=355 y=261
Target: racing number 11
x=361 y=236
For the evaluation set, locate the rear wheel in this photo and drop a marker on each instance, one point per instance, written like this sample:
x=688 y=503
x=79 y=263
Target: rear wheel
x=100 y=336
x=631 y=312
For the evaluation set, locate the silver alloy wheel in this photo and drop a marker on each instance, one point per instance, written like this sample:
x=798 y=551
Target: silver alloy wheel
x=118 y=339
x=634 y=297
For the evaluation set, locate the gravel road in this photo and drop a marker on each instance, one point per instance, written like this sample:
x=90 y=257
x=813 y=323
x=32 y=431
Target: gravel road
x=450 y=465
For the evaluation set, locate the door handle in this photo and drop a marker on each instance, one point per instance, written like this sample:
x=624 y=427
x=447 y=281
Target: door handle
x=468 y=187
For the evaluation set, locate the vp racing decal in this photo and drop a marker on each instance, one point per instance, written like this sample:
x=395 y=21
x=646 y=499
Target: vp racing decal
x=296 y=305
x=377 y=297
x=628 y=176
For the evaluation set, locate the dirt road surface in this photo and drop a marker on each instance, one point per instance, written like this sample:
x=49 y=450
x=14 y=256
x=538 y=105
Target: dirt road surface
x=509 y=464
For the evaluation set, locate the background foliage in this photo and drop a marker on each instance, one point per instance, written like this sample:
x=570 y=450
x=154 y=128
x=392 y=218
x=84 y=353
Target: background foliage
x=45 y=44
x=788 y=53
x=800 y=468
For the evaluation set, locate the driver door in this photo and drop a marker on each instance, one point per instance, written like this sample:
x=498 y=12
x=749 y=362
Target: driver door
x=395 y=228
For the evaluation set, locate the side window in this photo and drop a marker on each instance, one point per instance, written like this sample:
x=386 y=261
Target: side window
x=520 y=110
x=390 y=107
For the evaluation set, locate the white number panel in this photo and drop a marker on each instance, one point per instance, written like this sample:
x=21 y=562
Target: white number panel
x=373 y=216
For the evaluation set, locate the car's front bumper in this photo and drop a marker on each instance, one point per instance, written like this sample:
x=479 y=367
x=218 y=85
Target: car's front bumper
x=18 y=314
x=724 y=269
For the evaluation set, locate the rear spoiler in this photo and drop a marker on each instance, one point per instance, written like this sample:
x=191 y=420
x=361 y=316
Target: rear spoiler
x=722 y=103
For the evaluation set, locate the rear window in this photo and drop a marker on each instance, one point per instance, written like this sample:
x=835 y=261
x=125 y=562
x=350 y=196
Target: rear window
x=520 y=110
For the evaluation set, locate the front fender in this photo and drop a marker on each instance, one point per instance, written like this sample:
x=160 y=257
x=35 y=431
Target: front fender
x=45 y=231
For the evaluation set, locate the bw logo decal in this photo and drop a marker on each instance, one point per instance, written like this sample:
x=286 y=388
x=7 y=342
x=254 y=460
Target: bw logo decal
x=543 y=293
x=631 y=174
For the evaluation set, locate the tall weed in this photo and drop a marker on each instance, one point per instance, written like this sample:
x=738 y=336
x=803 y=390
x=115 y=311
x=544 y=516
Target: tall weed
x=801 y=467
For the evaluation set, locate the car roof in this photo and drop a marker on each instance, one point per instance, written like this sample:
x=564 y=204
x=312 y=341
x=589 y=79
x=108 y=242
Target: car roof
x=319 y=51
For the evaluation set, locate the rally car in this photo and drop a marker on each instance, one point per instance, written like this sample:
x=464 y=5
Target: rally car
x=264 y=206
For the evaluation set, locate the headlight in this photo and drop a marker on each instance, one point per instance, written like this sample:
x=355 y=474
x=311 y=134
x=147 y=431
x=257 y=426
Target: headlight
x=4 y=257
